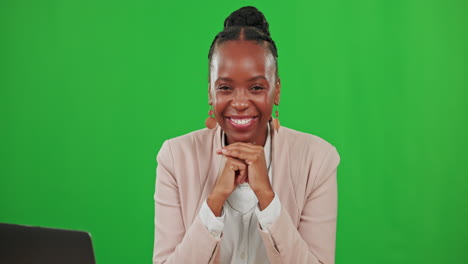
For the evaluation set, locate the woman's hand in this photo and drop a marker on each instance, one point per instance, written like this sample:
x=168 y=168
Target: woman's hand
x=231 y=173
x=257 y=173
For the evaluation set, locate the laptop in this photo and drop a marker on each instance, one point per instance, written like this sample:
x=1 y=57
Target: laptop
x=20 y=244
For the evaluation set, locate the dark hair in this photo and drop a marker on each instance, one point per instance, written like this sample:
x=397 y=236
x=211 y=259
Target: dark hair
x=248 y=22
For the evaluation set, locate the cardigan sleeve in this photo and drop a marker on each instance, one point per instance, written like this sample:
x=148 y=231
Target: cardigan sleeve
x=269 y=214
x=313 y=241
x=173 y=243
x=214 y=224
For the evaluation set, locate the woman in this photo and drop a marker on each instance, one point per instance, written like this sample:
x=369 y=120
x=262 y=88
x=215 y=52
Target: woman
x=245 y=190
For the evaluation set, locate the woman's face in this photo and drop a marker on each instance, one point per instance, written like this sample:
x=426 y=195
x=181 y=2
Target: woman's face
x=242 y=89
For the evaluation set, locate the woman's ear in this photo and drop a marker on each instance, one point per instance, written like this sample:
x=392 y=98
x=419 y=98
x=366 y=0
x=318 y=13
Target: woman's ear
x=210 y=99
x=277 y=90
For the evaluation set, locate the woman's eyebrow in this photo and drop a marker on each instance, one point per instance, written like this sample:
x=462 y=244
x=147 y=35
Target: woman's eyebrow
x=227 y=79
x=257 y=77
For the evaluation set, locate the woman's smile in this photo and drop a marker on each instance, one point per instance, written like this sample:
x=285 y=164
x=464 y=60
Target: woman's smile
x=242 y=122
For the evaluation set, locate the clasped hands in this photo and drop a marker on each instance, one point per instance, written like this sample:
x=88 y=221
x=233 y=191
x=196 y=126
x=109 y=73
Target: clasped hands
x=241 y=162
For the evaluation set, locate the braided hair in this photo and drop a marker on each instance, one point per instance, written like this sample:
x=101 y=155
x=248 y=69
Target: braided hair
x=246 y=23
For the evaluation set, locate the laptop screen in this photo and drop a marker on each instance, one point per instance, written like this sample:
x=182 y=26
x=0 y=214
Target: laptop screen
x=30 y=244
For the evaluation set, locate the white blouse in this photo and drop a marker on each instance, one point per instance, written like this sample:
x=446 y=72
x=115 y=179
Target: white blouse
x=241 y=242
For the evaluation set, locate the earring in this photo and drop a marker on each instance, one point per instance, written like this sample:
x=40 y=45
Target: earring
x=276 y=122
x=210 y=121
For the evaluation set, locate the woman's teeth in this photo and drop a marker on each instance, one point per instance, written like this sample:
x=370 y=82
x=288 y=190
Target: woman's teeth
x=242 y=121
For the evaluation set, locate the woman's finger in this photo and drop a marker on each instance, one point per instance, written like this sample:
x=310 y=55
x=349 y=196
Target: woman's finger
x=242 y=145
x=243 y=153
x=237 y=165
x=242 y=176
x=228 y=150
x=240 y=154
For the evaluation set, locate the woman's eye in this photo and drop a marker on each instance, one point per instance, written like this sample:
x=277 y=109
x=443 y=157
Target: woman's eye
x=224 y=88
x=257 y=88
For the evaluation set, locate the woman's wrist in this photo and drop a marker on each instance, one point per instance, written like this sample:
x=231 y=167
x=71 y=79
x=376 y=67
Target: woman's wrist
x=264 y=198
x=215 y=202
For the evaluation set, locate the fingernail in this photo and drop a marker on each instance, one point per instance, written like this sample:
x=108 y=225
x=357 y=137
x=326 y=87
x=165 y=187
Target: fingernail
x=225 y=151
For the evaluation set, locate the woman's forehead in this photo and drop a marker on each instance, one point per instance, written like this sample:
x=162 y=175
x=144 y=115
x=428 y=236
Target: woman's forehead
x=242 y=59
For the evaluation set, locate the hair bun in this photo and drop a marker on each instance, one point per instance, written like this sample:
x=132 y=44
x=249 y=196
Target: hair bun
x=247 y=16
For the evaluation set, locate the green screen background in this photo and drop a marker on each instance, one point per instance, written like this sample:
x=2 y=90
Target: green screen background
x=91 y=89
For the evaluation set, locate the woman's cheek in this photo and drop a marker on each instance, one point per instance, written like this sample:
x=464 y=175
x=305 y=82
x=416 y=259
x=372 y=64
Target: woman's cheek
x=222 y=100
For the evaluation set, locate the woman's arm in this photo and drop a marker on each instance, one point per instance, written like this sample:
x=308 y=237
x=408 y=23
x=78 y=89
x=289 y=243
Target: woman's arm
x=313 y=241
x=172 y=242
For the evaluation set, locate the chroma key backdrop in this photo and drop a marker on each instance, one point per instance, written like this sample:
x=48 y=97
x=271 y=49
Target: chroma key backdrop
x=90 y=89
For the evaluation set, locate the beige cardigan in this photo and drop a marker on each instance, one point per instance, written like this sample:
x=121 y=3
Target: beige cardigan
x=304 y=170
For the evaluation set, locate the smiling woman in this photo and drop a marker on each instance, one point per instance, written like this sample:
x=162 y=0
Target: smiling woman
x=245 y=190
x=243 y=87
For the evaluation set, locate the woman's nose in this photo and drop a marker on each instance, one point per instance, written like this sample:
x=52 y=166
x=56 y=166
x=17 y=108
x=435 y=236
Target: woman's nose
x=240 y=101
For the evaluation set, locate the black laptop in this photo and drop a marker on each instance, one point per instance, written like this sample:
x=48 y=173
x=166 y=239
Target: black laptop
x=21 y=244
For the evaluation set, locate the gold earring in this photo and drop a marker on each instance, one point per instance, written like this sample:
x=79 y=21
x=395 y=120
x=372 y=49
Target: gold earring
x=276 y=122
x=210 y=121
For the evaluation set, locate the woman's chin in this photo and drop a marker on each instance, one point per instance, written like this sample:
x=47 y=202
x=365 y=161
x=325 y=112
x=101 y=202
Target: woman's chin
x=234 y=137
x=242 y=135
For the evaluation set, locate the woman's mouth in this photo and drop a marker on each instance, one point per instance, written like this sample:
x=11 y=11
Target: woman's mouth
x=242 y=123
